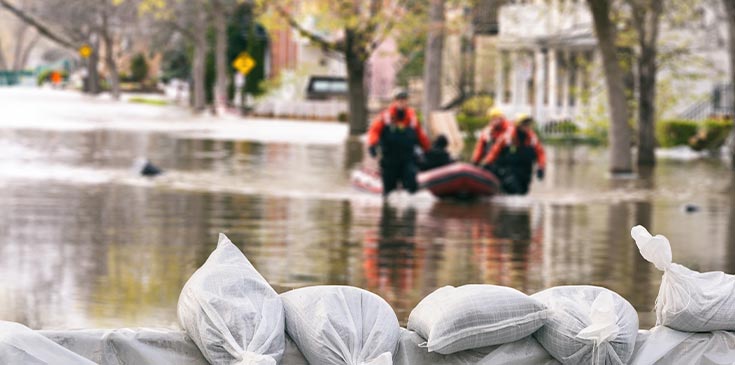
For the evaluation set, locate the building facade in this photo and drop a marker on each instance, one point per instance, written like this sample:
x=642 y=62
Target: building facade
x=546 y=62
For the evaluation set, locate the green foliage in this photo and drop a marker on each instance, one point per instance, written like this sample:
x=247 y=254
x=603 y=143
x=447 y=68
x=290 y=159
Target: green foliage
x=138 y=68
x=45 y=76
x=712 y=135
x=476 y=106
x=468 y=123
x=472 y=113
x=176 y=64
x=675 y=132
x=141 y=100
x=244 y=34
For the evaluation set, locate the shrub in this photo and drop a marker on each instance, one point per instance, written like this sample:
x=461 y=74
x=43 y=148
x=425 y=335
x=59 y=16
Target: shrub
x=712 y=135
x=470 y=123
x=138 y=68
x=676 y=132
x=472 y=113
x=476 y=106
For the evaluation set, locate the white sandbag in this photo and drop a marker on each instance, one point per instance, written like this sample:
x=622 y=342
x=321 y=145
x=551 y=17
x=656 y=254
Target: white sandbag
x=687 y=300
x=336 y=325
x=141 y=346
x=21 y=345
x=473 y=316
x=526 y=351
x=122 y=346
x=231 y=312
x=587 y=325
x=666 y=346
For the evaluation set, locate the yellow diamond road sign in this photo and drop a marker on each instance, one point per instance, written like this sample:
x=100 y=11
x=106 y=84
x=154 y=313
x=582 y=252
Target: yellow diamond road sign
x=85 y=51
x=243 y=63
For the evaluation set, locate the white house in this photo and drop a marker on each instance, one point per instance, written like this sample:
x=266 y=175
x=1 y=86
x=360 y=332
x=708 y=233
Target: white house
x=547 y=59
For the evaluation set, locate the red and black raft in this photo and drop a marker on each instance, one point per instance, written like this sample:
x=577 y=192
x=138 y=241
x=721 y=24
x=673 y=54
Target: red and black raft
x=456 y=180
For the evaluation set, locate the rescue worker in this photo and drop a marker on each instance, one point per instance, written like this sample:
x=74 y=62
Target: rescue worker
x=495 y=128
x=398 y=133
x=511 y=158
x=438 y=155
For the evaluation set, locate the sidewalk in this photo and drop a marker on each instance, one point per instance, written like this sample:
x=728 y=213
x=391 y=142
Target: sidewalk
x=31 y=108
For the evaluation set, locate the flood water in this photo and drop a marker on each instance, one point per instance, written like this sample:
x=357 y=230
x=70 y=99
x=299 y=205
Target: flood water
x=84 y=242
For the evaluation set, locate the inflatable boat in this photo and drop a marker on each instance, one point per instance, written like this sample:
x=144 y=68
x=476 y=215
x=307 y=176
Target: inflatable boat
x=456 y=180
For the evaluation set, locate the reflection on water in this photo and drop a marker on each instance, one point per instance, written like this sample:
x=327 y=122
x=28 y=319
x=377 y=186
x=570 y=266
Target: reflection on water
x=85 y=243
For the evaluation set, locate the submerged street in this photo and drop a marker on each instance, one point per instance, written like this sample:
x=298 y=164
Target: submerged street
x=86 y=242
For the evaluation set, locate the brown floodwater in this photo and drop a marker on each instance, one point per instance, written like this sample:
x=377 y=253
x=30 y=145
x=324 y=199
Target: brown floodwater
x=84 y=242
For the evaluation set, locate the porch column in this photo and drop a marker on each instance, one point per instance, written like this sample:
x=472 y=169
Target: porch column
x=552 y=107
x=538 y=86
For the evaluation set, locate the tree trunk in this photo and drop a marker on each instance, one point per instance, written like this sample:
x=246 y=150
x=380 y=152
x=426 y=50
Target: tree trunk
x=111 y=66
x=646 y=15
x=356 y=58
x=3 y=61
x=647 y=107
x=730 y=10
x=93 y=76
x=621 y=160
x=199 y=72
x=433 y=60
x=220 y=90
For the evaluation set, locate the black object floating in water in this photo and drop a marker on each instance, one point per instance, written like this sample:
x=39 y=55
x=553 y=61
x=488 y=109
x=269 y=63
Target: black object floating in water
x=146 y=168
x=691 y=208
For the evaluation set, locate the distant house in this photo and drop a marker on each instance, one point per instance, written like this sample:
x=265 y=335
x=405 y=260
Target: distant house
x=546 y=60
x=289 y=52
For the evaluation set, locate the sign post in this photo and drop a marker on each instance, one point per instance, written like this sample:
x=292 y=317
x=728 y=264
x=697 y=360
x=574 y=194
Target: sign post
x=243 y=64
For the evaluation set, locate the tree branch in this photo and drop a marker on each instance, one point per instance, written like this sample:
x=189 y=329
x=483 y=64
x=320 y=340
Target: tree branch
x=334 y=46
x=26 y=18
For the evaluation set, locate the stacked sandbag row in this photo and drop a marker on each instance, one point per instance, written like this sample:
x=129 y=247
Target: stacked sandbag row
x=235 y=317
x=574 y=324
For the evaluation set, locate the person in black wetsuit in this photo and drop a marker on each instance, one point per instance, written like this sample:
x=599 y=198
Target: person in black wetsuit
x=438 y=155
x=398 y=134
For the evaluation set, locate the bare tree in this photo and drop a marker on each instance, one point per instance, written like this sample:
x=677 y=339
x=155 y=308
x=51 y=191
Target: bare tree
x=621 y=160
x=363 y=26
x=41 y=28
x=190 y=19
x=220 y=11
x=433 y=59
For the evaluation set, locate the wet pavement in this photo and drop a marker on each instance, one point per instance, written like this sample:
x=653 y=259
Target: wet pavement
x=85 y=242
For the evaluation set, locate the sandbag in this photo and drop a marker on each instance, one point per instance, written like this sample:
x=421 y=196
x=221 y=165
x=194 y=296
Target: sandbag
x=473 y=316
x=142 y=346
x=337 y=325
x=666 y=346
x=122 y=346
x=526 y=351
x=21 y=345
x=231 y=312
x=687 y=300
x=587 y=325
